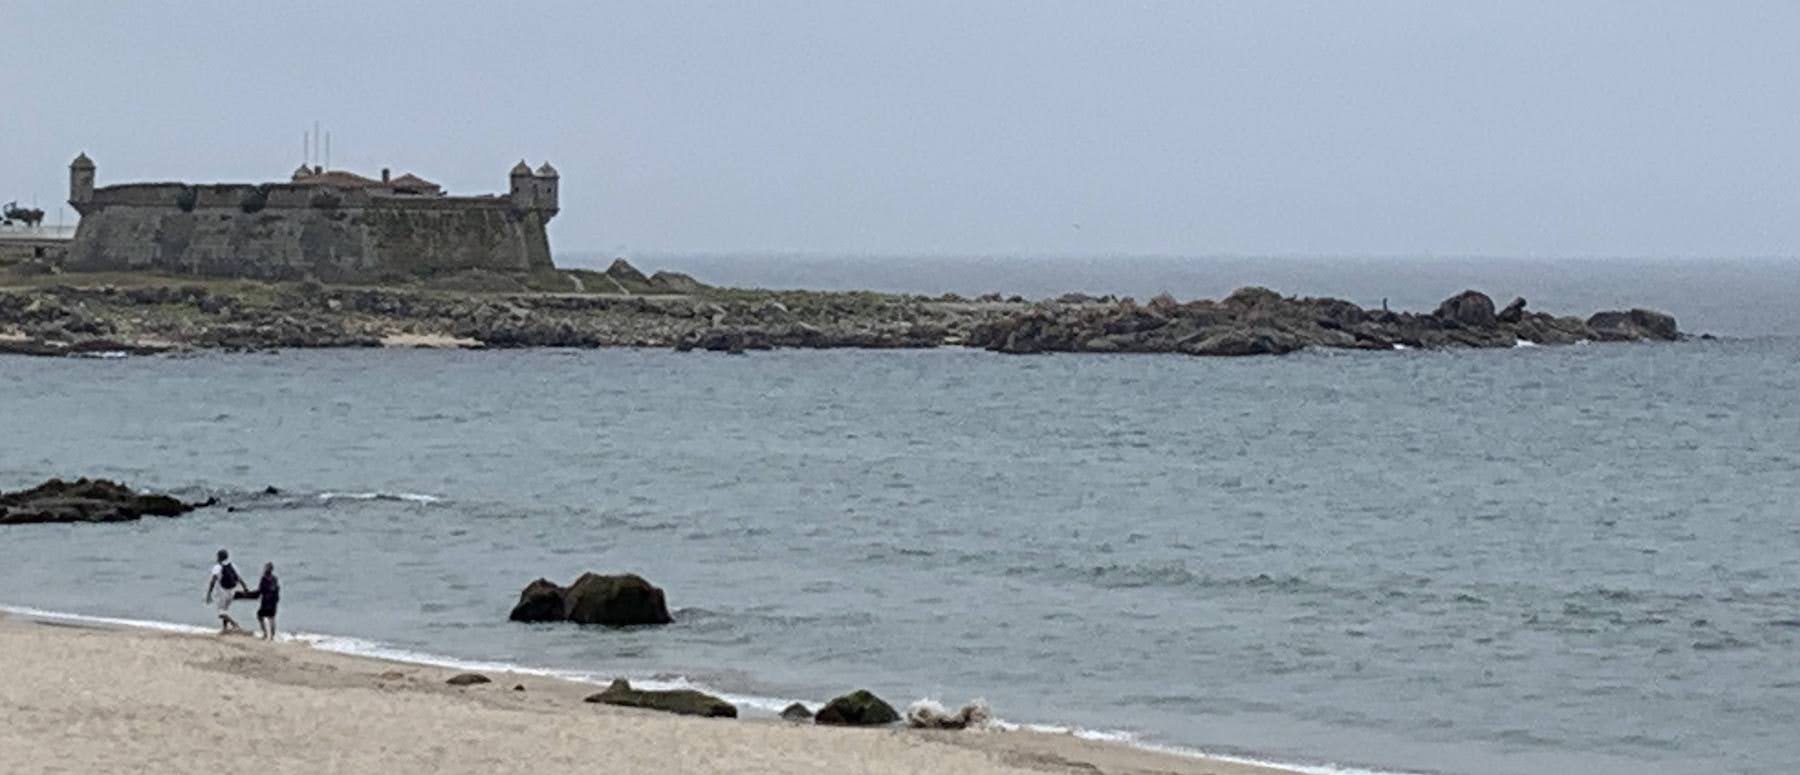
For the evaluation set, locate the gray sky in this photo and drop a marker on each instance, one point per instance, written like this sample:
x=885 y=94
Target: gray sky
x=1517 y=128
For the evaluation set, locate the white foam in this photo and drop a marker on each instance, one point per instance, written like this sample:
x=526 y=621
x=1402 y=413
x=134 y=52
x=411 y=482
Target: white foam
x=1524 y=343
x=366 y=648
x=1399 y=346
x=58 y=617
x=409 y=497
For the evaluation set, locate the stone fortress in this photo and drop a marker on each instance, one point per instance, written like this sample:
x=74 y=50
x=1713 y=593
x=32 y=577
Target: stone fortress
x=329 y=225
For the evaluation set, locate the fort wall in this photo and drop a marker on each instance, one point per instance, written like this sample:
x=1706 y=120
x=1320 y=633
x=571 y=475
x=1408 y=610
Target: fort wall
x=281 y=231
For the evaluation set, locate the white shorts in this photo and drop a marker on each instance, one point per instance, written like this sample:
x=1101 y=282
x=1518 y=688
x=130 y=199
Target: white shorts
x=223 y=603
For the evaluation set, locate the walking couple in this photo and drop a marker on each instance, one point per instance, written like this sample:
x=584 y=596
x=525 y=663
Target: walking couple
x=229 y=585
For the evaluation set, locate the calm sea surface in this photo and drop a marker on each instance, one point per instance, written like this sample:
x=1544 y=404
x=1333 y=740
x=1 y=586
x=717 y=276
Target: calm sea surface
x=1538 y=560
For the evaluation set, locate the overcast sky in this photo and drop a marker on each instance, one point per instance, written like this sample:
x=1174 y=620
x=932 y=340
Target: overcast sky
x=1515 y=128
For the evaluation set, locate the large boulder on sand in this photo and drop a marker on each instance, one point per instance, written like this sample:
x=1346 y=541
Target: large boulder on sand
x=857 y=709
x=87 y=500
x=542 y=601
x=1470 y=308
x=686 y=702
x=615 y=600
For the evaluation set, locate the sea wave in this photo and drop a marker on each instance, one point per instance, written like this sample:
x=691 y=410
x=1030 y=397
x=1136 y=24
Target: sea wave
x=772 y=706
x=408 y=497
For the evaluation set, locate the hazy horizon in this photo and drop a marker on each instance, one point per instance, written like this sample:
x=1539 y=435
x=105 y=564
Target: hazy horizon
x=1594 y=129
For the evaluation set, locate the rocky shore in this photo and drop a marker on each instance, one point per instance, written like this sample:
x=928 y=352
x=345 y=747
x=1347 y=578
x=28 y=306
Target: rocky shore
x=75 y=314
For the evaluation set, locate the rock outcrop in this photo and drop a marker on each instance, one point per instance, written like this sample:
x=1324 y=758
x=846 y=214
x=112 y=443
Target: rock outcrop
x=623 y=308
x=857 y=709
x=87 y=500
x=1470 y=308
x=617 y=601
x=1257 y=321
x=686 y=702
x=796 y=712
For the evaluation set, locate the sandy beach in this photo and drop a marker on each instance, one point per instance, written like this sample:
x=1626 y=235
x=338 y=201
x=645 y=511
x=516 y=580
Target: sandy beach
x=91 y=700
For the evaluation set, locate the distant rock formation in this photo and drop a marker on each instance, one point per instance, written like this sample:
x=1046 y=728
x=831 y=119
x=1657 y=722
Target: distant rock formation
x=622 y=308
x=618 y=601
x=1258 y=321
x=87 y=500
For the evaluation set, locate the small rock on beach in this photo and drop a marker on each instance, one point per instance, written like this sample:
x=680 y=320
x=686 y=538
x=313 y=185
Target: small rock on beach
x=860 y=708
x=469 y=679
x=686 y=702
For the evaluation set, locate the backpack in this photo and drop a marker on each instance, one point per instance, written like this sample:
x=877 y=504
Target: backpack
x=228 y=578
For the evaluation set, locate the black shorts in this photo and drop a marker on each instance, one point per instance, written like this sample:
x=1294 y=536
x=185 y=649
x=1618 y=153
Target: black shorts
x=266 y=611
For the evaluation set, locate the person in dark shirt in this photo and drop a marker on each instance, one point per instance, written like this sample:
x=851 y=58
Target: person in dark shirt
x=268 y=593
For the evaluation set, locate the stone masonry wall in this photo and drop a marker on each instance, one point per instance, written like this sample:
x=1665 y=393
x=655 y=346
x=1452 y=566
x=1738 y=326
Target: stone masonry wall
x=333 y=235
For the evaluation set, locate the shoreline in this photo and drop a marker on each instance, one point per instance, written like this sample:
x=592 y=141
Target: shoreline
x=322 y=662
x=75 y=314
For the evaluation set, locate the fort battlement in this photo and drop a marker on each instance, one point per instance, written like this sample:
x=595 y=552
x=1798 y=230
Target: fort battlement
x=330 y=225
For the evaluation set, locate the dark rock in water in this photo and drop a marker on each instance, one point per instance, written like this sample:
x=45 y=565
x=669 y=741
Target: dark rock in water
x=1633 y=325
x=796 y=712
x=1470 y=308
x=87 y=500
x=518 y=687
x=615 y=600
x=686 y=702
x=618 y=601
x=542 y=601
x=271 y=490
x=1514 y=312
x=468 y=679
x=857 y=709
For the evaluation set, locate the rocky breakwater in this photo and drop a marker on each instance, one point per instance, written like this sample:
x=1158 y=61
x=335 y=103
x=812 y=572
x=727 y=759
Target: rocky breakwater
x=87 y=500
x=1258 y=321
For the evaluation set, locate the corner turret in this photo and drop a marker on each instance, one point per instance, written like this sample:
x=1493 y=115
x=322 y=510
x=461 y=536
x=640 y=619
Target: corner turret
x=81 y=182
x=548 y=183
x=524 y=188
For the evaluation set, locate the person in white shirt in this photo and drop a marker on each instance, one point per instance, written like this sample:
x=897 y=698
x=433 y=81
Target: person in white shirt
x=227 y=582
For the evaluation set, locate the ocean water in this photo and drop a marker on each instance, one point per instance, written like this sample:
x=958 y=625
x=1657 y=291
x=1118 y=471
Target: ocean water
x=1538 y=560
